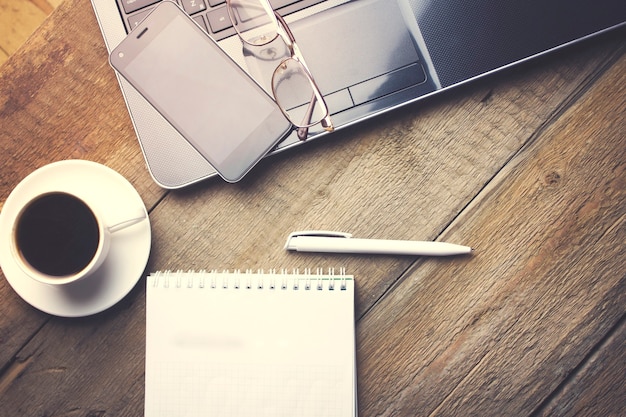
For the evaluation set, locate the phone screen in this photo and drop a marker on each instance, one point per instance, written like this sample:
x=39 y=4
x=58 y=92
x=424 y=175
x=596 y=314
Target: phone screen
x=201 y=91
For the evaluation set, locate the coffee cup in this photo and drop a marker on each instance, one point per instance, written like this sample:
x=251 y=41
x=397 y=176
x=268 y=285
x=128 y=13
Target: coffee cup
x=59 y=238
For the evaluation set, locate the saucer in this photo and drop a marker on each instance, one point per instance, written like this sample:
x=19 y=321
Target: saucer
x=128 y=255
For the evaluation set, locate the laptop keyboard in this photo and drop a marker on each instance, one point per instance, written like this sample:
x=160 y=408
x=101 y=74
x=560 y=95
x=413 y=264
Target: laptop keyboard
x=211 y=15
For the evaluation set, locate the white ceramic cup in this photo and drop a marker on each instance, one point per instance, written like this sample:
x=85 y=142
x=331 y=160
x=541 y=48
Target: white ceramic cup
x=59 y=238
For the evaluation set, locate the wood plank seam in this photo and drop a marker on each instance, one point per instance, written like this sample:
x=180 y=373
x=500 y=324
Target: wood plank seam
x=391 y=287
x=13 y=369
x=566 y=104
x=500 y=179
x=555 y=116
x=575 y=373
x=575 y=96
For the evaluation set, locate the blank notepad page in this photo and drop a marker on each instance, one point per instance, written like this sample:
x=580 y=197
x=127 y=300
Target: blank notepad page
x=242 y=344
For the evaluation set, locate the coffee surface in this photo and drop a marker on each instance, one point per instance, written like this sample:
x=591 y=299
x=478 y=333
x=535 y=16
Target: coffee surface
x=57 y=234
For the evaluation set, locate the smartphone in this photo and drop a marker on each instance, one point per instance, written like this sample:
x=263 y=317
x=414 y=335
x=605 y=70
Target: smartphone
x=205 y=95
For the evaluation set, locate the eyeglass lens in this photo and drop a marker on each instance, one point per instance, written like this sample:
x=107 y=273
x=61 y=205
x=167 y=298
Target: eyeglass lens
x=293 y=88
x=253 y=21
x=295 y=94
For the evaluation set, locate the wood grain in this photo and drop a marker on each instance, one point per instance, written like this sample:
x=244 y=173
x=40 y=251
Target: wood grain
x=59 y=100
x=594 y=388
x=527 y=166
x=18 y=20
x=61 y=97
x=495 y=334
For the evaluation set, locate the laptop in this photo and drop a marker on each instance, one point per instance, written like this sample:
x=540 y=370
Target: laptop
x=367 y=56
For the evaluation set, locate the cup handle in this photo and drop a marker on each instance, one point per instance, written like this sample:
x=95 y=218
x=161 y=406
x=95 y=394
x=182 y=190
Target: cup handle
x=126 y=223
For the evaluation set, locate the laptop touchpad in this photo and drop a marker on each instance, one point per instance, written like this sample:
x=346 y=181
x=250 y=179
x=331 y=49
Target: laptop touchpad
x=360 y=44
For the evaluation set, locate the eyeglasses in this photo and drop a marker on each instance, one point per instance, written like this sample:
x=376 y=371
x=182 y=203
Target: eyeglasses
x=293 y=86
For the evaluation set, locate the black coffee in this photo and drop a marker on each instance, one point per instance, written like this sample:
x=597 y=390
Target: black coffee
x=57 y=234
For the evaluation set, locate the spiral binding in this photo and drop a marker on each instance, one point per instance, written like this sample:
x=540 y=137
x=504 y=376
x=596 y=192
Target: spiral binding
x=250 y=279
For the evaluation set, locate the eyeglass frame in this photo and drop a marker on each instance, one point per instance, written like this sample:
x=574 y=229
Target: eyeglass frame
x=295 y=55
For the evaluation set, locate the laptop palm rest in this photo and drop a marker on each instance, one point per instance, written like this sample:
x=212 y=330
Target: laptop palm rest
x=357 y=52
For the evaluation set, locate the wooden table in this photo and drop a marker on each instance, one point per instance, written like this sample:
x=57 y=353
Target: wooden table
x=528 y=167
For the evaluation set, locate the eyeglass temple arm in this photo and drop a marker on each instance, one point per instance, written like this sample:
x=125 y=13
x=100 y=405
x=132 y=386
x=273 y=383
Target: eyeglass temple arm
x=285 y=27
x=326 y=122
x=303 y=132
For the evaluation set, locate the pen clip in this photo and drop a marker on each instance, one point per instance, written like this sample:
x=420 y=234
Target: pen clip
x=313 y=233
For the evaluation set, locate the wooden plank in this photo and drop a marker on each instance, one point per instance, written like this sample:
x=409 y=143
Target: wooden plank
x=18 y=20
x=496 y=333
x=47 y=6
x=597 y=387
x=3 y=56
x=58 y=372
x=61 y=95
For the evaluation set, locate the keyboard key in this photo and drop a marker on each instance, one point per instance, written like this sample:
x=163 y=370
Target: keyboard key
x=193 y=6
x=218 y=19
x=135 y=19
x=214 y=3
x=200 y=21
x=134 y=5
x=286 y=7
x=277 y=4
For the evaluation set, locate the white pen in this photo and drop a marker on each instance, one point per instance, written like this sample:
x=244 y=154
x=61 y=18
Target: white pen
x=338 y=242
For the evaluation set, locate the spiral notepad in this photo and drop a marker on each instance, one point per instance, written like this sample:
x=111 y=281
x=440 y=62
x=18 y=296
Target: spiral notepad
x=250 y=344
